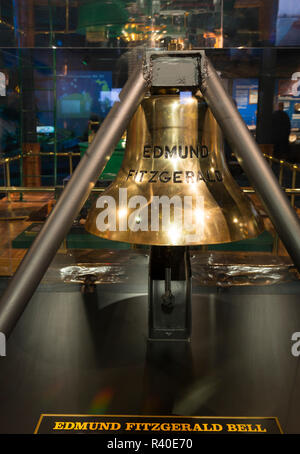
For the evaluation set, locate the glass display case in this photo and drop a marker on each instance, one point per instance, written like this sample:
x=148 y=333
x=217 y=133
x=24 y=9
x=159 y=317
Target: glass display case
x=83 y=338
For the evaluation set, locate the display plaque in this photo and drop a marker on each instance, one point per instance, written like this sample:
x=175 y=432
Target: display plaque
x=155 y=425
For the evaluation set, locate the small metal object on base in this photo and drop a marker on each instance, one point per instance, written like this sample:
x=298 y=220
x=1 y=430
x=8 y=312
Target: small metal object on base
x=89 y=285
x=170 y=292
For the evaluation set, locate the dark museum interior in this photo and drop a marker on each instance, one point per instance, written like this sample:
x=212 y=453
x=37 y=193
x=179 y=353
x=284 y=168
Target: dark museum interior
x=149 y=212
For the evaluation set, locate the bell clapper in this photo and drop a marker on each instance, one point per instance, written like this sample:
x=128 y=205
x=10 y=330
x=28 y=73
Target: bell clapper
x=168 y=299
x=169 y=296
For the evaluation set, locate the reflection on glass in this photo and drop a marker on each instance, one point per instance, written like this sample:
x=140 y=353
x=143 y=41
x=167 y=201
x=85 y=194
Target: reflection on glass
x=150 y=23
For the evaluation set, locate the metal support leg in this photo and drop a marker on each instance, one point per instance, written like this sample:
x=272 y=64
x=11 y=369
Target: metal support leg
x=251 y=160
x=169 y=293
x=41 y=253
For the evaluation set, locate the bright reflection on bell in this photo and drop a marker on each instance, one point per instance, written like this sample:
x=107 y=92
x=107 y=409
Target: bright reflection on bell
x=199 y=215
x=174 y=234
x=174 y=154
x=186 y=97
x=122 y=212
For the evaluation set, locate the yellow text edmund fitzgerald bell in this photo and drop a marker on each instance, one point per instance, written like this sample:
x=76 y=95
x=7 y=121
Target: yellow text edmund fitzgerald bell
x=151 y=427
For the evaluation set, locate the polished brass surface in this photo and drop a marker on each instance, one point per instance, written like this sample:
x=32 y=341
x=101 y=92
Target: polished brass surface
x=175 y=148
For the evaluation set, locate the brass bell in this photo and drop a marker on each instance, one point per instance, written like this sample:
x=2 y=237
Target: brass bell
x=174 y=187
